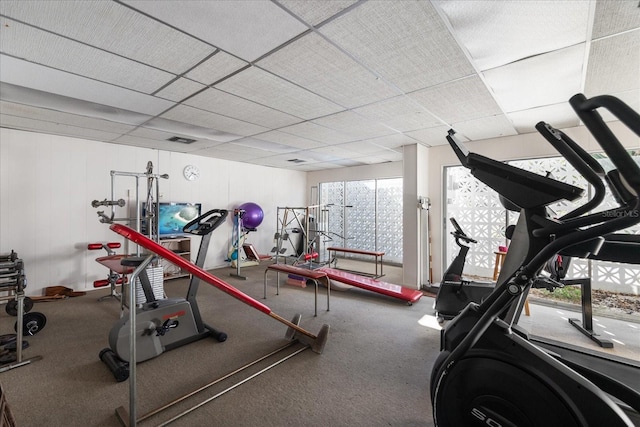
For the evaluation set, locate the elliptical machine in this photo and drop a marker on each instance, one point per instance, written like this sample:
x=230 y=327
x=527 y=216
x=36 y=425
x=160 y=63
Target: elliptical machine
x=455 y=292
x=488 y=372
x=164 y=324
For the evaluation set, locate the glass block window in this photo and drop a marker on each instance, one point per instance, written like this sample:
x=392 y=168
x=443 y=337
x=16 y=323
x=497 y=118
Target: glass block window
x=364 y=215
x=479 y=212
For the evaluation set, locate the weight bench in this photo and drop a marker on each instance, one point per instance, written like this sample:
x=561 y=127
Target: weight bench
x=314 y=275
x=376 y=254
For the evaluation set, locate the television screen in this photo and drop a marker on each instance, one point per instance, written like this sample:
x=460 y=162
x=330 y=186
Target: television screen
x=172 y=217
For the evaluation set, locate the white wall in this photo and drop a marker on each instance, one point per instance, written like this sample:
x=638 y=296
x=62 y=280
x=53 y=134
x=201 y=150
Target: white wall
x=47 y=184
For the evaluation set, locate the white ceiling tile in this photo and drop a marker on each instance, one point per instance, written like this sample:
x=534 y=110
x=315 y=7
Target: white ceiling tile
x=318 y=133
x=162 y=138
x=614 y=64
x=29 y=124
x=361 y=147
x=537 y=81
x=221 y=152
x=430 y=137
x=215 y=68
x=338 y=151
x=266 y=89
x=114 y=28
x=245 y=28
x=267 y=146
x=355 y=125
x=289 y=140
x=405 y=42
x=558 y=115
x=485 y=128
x=313 y=12
x=400 y=113
x=206 y=119
x=163 y=144
x=393 y=141
x=190 y=130
x=60 y=53
x=179 y=89
x=462 y=99
x=226 y=104
x=496 y=33
x=613 y=17
x=314 y=63
x=127 y=109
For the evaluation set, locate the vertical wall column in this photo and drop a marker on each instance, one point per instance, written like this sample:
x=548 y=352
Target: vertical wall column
x=415 y=170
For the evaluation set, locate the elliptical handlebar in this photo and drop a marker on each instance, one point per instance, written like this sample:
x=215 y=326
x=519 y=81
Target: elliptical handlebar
x=206 y=223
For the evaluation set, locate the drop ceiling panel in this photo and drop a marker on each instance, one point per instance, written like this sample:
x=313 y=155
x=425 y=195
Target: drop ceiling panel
x=219 y=153
x=316 y=64
x=60 y=53
x=558 y=115
x=245 y=28
x=266 y=89
x=361 y=147
x=405 y=42
x=432 y=136
x=206 y=119
x=614 y=64
x=485 y=128
x=177 y=147
x=265 y=146
x=179 y=89
x=354 y=124
x=229 y=105
x=459 y=100
x=28 y=124
x=318 y=133
x=215 y=68
x=392 y=141
x=496 y=33
x=161 y=139
x=338 y=151
x=612 y=17
x=313 y=12
x=53 y=116
x=189 y=130
x=400 y=113
x=289 y=139
x=129 y=108
x=537 y=81
x=114 y=28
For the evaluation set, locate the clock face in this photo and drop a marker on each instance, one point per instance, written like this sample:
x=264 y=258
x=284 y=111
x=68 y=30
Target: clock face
x=191 y=172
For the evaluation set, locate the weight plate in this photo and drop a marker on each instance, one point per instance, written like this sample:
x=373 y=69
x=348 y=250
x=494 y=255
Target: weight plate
x=12 y=346
x=32 y=323
x=7 y=338
x=12 y=306
x=8 y=358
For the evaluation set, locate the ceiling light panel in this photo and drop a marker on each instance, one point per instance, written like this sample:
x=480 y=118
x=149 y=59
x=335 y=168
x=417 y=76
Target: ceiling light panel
x=28 y=124
x=613 y=17
x=558 y=115
x=354 y=124
x=52 y=116
x=245 y=28
x=266 y=89
x=179 y=89
x=220 y=102
x=496 y=33
x=206 y=119
x=60 y=53
x=215 y=68
x=614 y=64
x=317 y=65
x=433 y=136
x=114 y=28
x=400 y=113
x=318 y=133
x=85 y=97
x=459 y=100
x=289 y=139
x=405 y=42
x=485 y=128
x=314 y=12
x=540 y=80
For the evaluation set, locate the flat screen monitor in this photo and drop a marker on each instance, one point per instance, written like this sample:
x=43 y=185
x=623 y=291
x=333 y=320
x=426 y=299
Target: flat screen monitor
x=173 y=216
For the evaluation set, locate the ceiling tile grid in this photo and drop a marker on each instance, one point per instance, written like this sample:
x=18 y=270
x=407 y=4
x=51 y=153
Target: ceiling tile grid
x=614 y=64
x=613 y=17
x=216 y=68
x=401 y=113
x=313 y=12
x=207 y=119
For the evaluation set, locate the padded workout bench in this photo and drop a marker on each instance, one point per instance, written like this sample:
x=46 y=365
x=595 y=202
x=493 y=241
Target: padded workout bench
x=376 y=254
x=314 y=275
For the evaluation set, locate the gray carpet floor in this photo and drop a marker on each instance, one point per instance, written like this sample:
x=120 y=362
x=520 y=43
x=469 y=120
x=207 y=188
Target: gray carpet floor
x=374 y=370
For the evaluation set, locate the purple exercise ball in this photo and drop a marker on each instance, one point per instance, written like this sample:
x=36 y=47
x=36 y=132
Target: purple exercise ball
x=253 y=215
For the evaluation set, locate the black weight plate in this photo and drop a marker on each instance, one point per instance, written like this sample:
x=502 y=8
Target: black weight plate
x=7 y=338
x=12 y=306
x=13 y=345
x=8 y=358
x=32 y=323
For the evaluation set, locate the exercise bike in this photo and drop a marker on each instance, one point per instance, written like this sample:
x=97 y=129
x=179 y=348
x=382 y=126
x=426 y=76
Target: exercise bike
x=164 y=324
x=489 y=371
x=455 y=292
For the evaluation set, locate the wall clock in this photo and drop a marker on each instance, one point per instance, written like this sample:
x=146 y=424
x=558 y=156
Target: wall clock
x=191 y=172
